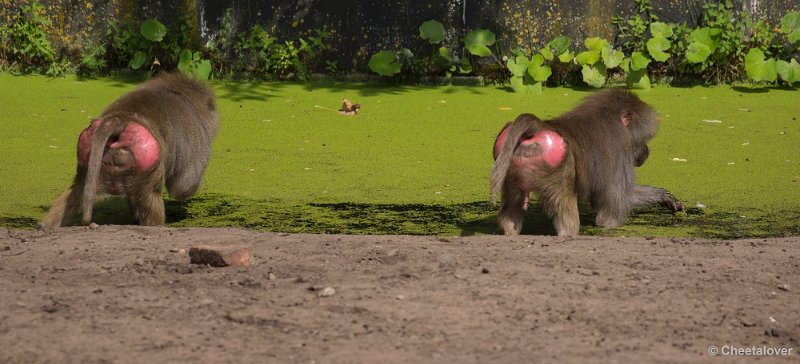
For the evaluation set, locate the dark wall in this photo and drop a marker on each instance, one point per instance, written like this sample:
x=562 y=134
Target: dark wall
x=360 y=28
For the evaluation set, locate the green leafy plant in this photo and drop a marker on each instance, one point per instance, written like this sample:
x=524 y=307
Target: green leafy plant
x=259 y=52
x=151 y=45
x=439 y=60
x=529 y=74
x=596 y=60
x=27 y=40
x=790 y=25
x=93 y=59
x=762 y=63
x=631 y=31
x=193 y=65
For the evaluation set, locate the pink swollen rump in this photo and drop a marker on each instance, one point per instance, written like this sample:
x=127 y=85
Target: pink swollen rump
x=85 y=142
x=135 y=137
x=141 y=143
x=552 y=145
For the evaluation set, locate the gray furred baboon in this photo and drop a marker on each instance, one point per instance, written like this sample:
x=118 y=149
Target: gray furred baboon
x=587 y=154
x=158 y=134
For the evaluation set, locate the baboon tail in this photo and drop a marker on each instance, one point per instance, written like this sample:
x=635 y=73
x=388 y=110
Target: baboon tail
x=100 y=136
x=524 y=126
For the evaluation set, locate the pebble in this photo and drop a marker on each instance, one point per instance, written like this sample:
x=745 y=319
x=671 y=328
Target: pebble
x=327 y=292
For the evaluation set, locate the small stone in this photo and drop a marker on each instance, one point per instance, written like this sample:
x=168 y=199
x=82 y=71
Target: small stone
x=327 y=292
x=271 y=277
x=485 y=270
x=93 y=226
x=220 y=256
x=784 y=287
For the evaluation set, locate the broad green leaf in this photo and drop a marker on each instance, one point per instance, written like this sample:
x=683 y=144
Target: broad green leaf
x=639 y=79
x=445 y=53
x=595 y=43
x=539 y=72
x=559 y=45
x=789 y=71
x=203 y=71
x=518 y=85
x=639 y=61
x=566 y=57
x=138 y=60
x=657 y=46
x=625 y=65
x=758 y=68
x=384 y=63
x=465 y=66
x=587 y=58
x=477 y=42
x=794 y=36
x=518 y=66
x=185 y=61
x=153 y=30
x=537 y=60
x=660 y=30
x=611 y=57
x=790 y=22
x=546 y=53
x=432 y=30
x=697 y=52
x=594 y=76
x=706 y=36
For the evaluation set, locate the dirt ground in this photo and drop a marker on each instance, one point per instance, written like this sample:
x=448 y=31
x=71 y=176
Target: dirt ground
x=128 y=294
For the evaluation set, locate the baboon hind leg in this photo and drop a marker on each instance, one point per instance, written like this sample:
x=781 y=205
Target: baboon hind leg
x=511 y=212
x=64 y=208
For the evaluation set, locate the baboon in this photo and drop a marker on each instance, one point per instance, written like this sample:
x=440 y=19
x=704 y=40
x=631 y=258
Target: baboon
x=159 y=134
x=587 y=154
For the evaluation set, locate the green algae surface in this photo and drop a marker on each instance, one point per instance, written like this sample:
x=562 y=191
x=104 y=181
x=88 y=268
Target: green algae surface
x=415 y=160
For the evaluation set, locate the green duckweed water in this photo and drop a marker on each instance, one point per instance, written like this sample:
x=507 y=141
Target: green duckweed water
x=415 y=160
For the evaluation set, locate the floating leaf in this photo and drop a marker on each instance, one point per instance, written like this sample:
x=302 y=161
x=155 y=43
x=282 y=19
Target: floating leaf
x=789 y=71
x=758 y=68
x=153 y=30
x=477 y=42
x=384 y=63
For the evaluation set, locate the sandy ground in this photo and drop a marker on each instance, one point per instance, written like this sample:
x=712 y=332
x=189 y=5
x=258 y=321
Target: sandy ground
x=128 y=294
